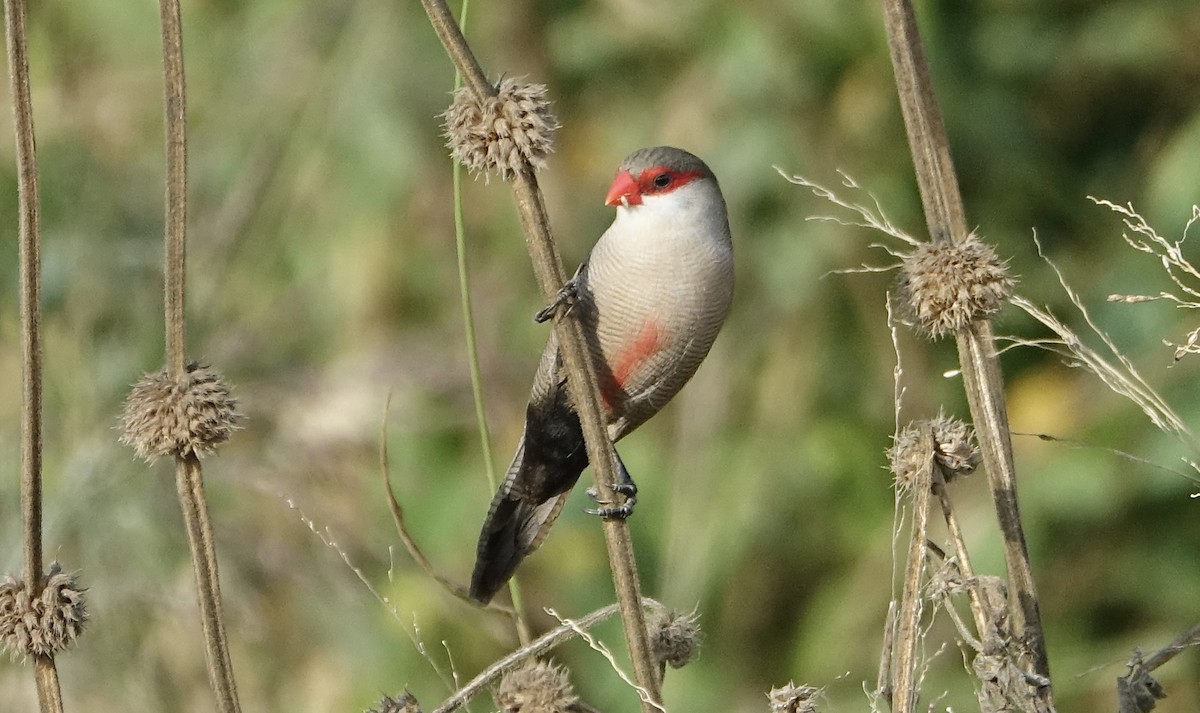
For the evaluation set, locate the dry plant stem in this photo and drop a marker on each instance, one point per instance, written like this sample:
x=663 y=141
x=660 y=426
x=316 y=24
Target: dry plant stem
x=1190 y=637
x=29 y=256
x=960 y=549
x=904 y=691
x=175 y=102
x=188 y=475
x=883 y=683
x=581 y=374
x=190 y=484
x=581 y=378
x=544 y=643
x=981 y=370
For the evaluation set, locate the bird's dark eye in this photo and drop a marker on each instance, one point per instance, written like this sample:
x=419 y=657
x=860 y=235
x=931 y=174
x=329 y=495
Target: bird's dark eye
x=662 y=180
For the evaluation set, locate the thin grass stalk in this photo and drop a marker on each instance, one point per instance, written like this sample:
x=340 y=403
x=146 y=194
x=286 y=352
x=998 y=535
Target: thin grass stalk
x=581 y=374
x=188 y=474
x=982 y=378
x=905 y=687
x=29 y=256
x=464 y=289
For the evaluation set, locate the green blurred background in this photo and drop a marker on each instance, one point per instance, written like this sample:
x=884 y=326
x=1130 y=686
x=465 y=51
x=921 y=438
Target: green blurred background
x=322 y=277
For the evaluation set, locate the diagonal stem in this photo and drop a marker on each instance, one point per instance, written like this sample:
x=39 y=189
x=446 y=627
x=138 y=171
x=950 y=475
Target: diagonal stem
x=581 y=373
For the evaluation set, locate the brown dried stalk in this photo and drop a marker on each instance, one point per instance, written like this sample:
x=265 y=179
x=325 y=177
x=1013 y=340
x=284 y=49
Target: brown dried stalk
x=29 y=250
x=188 y=474
x=905 y=687
x=563 y=632
x=981 y=371
x=581 y=374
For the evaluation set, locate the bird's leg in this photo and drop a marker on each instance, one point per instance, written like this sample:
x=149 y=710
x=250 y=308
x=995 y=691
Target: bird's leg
x=625 y=486
x=564 y=299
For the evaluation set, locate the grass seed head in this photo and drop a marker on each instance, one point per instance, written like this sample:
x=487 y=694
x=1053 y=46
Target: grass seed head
x=404 y=703
x=500 y=133
x=794 y=699
x=539 y=687
x=164 y=416
x=45 y=624
x=945 y=287
x=954 y=450
x=674 y=637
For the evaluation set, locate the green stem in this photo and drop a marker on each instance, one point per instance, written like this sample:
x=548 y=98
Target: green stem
x=464 y=289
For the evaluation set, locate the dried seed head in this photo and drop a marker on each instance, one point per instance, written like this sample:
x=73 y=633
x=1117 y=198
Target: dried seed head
x=954 y=447
x=947 y=286
x=501 y=133
x=794 y=699
x=45 y=624
x=538 y=687
x=954 y=450
x=674 y=637
x=164 y=416
x=404 y=703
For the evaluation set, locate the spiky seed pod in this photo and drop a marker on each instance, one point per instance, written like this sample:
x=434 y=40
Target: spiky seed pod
x=944 y=287
x=674 y=637
x=794 y=699
x=538 y=687
x=45 y=624
x=404 y=703
x=192 y=415
x=500 y=133
x=954 y=450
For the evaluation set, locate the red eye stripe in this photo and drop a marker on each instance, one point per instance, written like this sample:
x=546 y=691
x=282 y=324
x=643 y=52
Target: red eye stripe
x=649 y=180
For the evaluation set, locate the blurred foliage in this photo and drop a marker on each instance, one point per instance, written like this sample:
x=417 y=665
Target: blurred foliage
x=322 y=278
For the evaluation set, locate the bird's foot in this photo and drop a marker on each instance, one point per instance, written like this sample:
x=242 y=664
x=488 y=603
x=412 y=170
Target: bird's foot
x=610 y=511
x=564 y=300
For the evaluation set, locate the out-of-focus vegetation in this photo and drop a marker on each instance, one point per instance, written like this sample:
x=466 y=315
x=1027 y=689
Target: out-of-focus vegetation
x=322 y=277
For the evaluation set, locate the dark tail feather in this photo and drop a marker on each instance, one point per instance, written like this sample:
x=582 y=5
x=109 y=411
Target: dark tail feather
x=527 y=504
x=514 y=528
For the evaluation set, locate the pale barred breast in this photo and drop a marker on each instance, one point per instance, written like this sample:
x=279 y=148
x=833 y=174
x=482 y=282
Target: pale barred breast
x=653 y=307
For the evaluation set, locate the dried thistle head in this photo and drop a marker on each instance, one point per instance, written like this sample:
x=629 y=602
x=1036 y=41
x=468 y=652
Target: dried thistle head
x=944 y=287
x=501 y=133
x=404 y=703
x=794 y=699
x=954 y=450
x=164 y=416
x=674 y=637
x=44 y=624
x=538 y=687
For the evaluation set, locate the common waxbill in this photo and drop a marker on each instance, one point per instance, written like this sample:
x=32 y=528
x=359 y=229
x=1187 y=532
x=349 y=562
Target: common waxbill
x=651 y=297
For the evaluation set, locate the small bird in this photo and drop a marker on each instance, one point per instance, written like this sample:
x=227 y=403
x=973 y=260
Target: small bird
x=651 y=297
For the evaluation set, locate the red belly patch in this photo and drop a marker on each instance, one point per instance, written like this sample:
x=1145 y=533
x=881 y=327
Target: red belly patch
x=630 y=359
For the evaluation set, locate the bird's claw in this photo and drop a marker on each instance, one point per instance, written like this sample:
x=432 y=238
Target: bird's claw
x=614 y=512
x=564 y=299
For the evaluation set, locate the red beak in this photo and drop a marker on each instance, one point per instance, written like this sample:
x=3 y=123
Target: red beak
x=624 y=191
